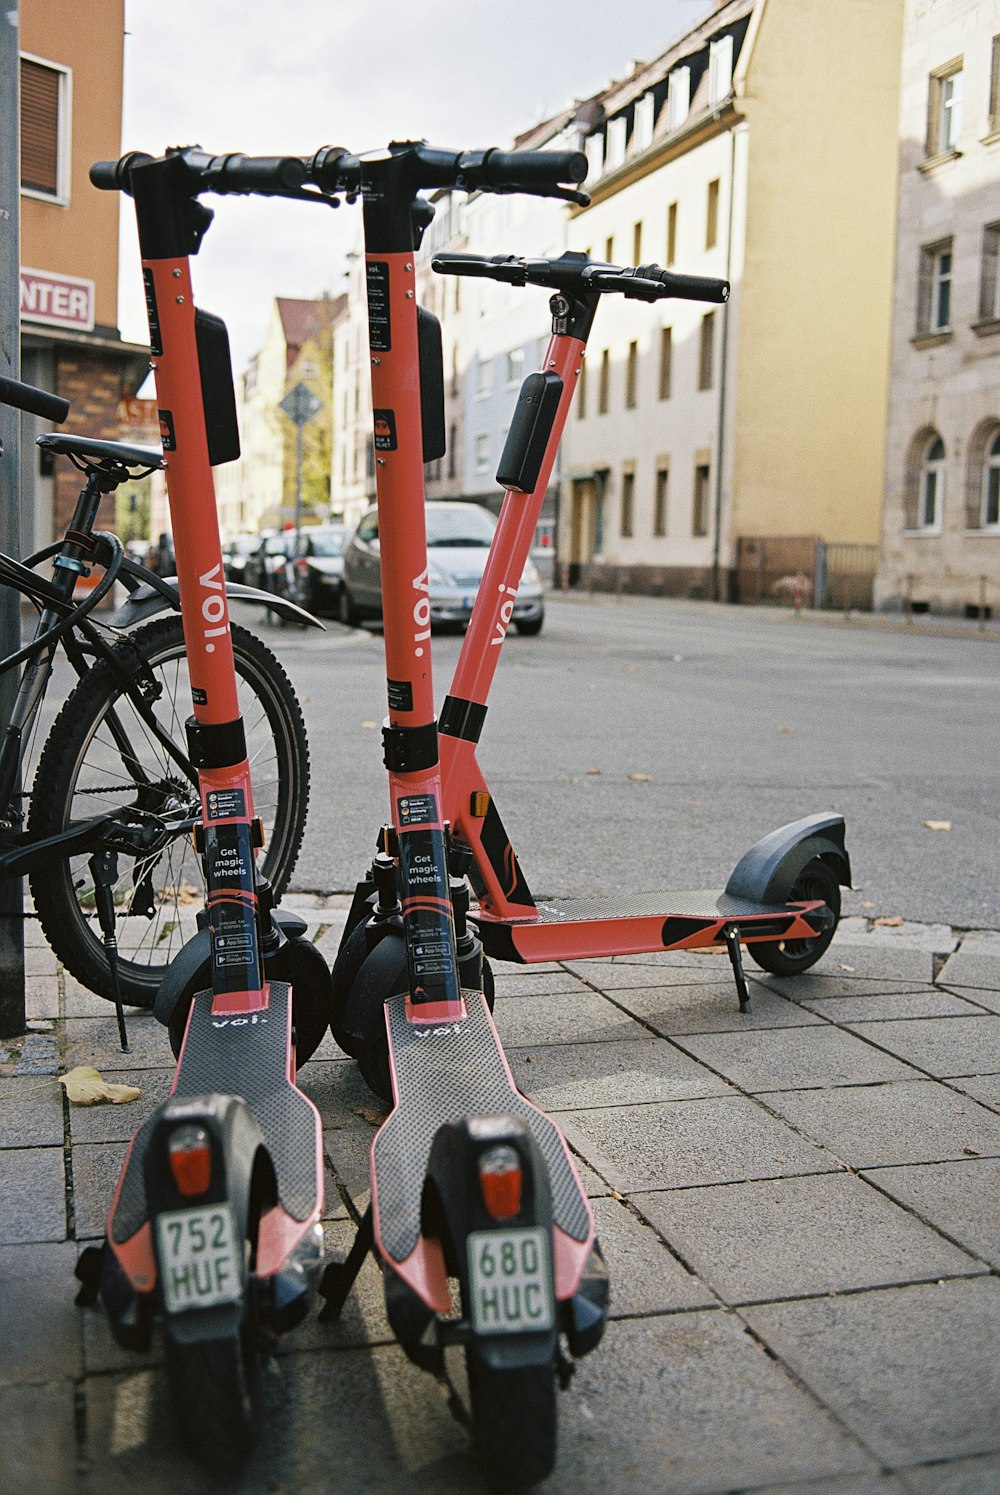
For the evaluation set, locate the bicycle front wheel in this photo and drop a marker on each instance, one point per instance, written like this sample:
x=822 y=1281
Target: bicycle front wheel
x=101 y=755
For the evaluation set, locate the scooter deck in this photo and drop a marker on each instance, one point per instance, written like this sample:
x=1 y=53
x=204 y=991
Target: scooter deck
x=443 y=1073
x=580 y=928
x=244 y=1055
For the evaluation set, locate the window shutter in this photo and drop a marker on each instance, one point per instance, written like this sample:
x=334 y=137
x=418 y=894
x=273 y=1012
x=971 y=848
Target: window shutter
x=39 y=127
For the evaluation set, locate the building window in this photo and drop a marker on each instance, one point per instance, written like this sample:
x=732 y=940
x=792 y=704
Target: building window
x=991 y=484
x=934 y=301
x=671 y=255
x=617 y=129
x=660 y=500
x=484 y=377
x=515 y=365
x=699 y=516
x=483 y=452
x=637 y=243
x=45 y=123
x=666 y=361
x=605 y=384
x=706 y=353
x=720 y=69
x=983 y=501
x=642 y=129
x=930 y=494
x=989 y=280
x=631 y=376
x=609 y=250
x=452 y=449
x=995 y=88
x=678 y=97
x=712 y=215
x=595 y=157
x=628 y=504
x=944 y=109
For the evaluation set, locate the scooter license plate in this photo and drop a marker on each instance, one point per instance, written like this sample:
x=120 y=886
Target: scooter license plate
x=199 y=1256
x=510 y=1281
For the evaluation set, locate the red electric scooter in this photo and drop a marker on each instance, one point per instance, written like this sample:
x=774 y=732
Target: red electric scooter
x=215 y=1222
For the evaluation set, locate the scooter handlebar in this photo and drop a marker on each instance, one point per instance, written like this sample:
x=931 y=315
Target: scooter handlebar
x=232 y=173
x=34 y=401
x=685 y=287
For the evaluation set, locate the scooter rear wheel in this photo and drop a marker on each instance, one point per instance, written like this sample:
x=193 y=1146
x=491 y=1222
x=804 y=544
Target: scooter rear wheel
x=215 y=1388
x=791 y=957
x=514 y=1421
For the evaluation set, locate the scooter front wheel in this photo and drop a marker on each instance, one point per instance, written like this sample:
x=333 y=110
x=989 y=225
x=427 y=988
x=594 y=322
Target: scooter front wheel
x=215 y=1388
x=514 y=1421
x=791 y=957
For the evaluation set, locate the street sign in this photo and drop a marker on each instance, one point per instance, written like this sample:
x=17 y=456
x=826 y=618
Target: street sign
x=300 y=405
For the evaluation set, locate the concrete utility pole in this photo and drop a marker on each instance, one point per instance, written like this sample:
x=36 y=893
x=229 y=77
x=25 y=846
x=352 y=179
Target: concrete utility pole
x=11 y=889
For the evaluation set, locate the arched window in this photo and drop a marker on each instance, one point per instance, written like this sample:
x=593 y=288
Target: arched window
x=931 y=495
x=991 y=484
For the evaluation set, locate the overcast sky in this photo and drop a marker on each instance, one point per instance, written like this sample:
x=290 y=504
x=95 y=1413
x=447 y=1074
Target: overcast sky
x=269 y=78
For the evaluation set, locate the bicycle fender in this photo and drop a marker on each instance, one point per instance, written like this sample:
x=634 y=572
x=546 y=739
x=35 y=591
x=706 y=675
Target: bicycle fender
x=146 y=601
x=766 y=872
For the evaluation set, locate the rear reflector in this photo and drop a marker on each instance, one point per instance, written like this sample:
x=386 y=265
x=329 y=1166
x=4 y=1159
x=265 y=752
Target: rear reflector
x=500 y=1179
x=190 y=1154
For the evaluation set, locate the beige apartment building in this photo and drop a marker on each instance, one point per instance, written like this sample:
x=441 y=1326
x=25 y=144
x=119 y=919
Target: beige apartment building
x=941 y=529
x=71 y=107
x=761 y=147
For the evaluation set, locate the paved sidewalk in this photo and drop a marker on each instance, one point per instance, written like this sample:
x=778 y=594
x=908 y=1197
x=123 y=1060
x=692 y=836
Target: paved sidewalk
x=800 y=1208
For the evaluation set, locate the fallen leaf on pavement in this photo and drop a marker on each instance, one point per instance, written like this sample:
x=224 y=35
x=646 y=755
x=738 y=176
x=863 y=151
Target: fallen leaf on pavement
x=789 y=731
x=892 y=921
x=593 y=770
x=972 y=1151
x=370 y=1114
x=844 y=967
x=640 y=778
x=938 y=825
x=84 y=1087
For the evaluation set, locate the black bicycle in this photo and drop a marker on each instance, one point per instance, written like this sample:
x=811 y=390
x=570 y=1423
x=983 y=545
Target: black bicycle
x=103 y=828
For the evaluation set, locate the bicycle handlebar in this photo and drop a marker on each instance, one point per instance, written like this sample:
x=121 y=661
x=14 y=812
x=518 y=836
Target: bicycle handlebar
x=34 y=401
x=574 y=272
x=232 y=173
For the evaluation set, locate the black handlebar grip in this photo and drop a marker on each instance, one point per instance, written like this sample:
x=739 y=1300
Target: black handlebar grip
x=239 y=173
x=534 y=168
x=687 y=287
x=34 y=401
x=112 y=176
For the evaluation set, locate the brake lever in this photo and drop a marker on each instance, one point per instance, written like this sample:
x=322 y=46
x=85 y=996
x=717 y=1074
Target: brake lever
x=565 y=194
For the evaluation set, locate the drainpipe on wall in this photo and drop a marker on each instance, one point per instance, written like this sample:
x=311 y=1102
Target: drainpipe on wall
x=723 y=384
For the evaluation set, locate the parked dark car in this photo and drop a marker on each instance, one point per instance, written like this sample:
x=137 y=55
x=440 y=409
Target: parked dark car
x=316 y=569
x=266 y=564
x=235 y=553
x=459 y=536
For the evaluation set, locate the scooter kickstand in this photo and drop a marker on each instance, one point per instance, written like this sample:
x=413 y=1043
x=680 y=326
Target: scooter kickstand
x=731 y=936
x=340 y=1276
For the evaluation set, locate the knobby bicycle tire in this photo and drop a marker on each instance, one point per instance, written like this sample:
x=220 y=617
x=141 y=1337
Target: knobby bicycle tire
x=82 y=772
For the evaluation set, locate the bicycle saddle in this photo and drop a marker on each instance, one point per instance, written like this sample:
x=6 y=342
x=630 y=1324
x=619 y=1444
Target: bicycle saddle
x=87 y=449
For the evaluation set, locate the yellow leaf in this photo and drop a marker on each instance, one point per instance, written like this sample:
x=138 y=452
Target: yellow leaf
x=889 y=922
x=593 y=770
x=84 y=1087
x=938 y=825
x=788 y=731
x=640 y=778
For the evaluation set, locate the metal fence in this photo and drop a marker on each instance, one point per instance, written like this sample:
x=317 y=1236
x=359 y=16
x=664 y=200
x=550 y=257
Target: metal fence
x=804 y=571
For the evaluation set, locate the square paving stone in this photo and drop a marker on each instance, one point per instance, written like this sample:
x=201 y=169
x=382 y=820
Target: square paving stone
x=881 y=1007
x=33 y=1190
x=559 y=1076
x=959 y=1046
x=94 y=1040
x=685 y=1143
x=119 y=1123
x=96 y=1169
x=961 y=1198
x=983 y=1088
x=876 y=958
x=707 y=1008
x=41 y=996
x=584 y=1018
x=833 y=982
x=38 y=1448
x=675 y=968
x=348 y=1154
x=31 y=1113
x=970 y=966
x=39 y=1322
x=339 y=1093
x=794 y=1237
x=644 y=1277
x=913 y=1121
x=978 y=996
x=794 y=1058
x=688 y=1403
x=550 y=981
x=912 y=1371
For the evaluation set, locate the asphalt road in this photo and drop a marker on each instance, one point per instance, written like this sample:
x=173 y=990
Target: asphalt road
x=639 y=744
